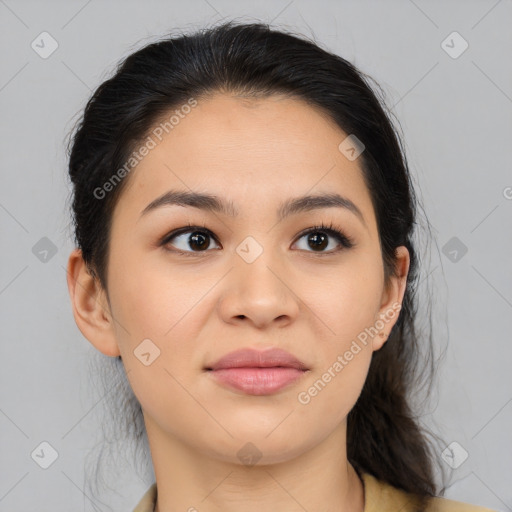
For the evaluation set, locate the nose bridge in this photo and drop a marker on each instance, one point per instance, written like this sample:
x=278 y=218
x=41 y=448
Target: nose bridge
x=258 y=288
x=256 y=266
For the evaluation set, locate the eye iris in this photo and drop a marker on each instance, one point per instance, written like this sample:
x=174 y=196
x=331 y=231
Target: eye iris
x=319 y=240
x=200 y=239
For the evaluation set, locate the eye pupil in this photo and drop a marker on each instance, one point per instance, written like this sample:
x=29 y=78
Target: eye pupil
x=318 y=239
x=200 y=239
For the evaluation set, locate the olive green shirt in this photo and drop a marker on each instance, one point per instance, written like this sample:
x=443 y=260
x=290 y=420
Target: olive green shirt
x=378 y=497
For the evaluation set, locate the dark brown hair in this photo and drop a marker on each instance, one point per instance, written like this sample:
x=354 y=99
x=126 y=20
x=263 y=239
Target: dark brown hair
x=384 y=436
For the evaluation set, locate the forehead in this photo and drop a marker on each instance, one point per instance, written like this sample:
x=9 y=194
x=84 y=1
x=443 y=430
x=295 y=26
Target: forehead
x=253 y=152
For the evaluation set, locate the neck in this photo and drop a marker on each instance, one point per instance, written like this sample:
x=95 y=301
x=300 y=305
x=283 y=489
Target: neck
x=320 y=478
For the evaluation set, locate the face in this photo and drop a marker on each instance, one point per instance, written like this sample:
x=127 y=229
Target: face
x=181 y=301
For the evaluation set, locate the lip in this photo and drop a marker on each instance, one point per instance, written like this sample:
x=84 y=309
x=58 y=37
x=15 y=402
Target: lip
x=258 y=373
x=251 y=358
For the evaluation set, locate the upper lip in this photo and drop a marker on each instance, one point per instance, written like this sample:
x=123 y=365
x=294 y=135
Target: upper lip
x=251 y=358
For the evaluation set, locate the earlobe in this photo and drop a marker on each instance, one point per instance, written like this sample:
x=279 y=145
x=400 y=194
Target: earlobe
x=392 y=298
x=90 y=307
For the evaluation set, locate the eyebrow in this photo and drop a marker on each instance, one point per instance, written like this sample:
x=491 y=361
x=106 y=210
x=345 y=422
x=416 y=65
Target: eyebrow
x=210 y=202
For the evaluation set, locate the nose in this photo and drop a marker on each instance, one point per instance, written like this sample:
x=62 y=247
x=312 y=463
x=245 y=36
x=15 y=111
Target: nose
x=259 y=293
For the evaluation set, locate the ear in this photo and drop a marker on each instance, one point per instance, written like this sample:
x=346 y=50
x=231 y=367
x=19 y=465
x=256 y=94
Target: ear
x=90 y=306
x=392 y=298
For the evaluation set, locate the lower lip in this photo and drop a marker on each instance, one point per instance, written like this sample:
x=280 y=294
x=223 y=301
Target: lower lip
x=257 y=381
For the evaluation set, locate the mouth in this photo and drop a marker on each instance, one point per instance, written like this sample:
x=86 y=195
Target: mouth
x=257 y=373
x=258 y=381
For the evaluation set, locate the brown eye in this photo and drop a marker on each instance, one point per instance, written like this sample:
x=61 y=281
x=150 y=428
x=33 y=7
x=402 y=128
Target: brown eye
x=189 y=239
x=318 y=239
x=192 y=240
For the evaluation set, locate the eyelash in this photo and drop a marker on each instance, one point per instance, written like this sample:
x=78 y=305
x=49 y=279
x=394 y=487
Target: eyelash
x=329 y=229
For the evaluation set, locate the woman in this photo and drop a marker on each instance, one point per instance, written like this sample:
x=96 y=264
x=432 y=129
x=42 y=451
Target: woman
x=243 y=218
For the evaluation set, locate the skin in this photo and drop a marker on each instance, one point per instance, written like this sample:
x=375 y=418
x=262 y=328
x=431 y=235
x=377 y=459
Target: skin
x=196 y=309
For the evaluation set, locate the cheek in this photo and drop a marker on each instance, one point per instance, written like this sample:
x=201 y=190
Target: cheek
x=333 y=389
x=170 y=309
x=163 y=309
x=148 y=299
x=344 y=310
x=345 y=303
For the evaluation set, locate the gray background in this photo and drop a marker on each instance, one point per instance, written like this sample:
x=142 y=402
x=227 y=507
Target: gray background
x=456 y=115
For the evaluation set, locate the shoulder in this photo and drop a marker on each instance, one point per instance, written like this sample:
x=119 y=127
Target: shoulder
x=147 y=502
x=382 y=497
x=379 y=497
